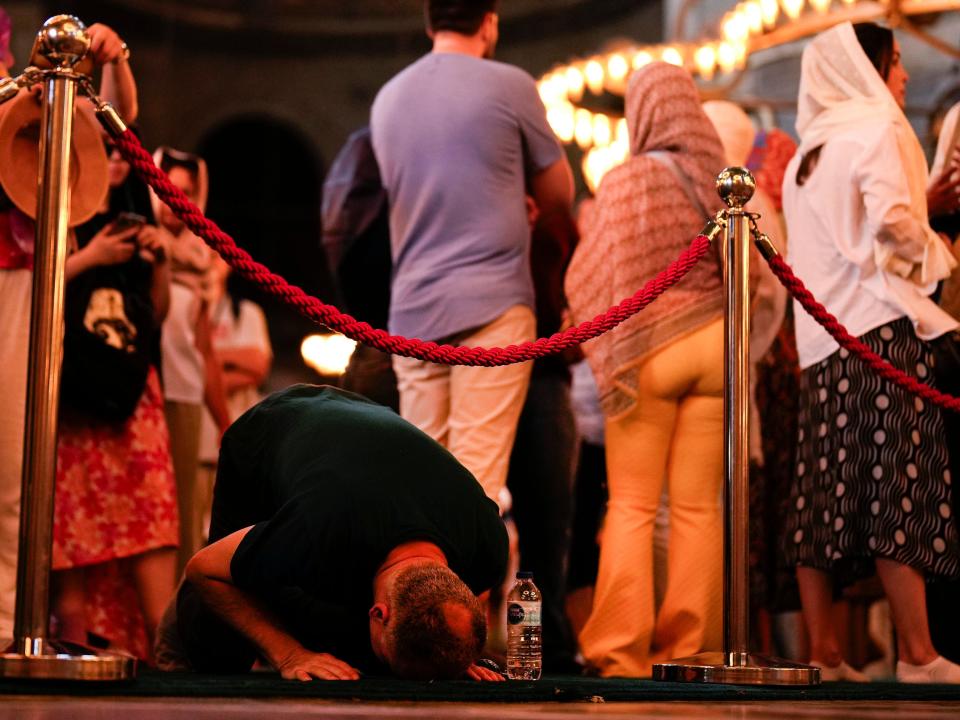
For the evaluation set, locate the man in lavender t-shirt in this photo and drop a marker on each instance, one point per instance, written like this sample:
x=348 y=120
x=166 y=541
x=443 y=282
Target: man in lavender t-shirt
x=462 y=141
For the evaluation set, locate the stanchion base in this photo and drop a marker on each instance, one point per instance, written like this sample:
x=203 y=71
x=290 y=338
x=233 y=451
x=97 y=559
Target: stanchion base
x=713 y=667
x=66 y=661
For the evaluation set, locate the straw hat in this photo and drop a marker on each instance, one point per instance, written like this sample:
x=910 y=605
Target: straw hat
x=20 y=159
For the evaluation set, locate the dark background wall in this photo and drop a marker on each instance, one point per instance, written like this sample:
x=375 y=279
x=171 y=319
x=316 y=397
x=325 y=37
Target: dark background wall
x=268 y=90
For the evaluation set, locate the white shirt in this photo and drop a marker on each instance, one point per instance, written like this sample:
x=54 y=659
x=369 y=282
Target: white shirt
x=183 y=375
x=248 y=329
x=949 y=139
x=586 y=403
x=945 y=143
x=860 y=240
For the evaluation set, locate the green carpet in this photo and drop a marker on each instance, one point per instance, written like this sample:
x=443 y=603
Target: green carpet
x=549 y=689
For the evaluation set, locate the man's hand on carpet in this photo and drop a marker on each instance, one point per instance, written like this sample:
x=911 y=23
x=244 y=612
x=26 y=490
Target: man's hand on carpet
x=305 y=665
x=483 y=674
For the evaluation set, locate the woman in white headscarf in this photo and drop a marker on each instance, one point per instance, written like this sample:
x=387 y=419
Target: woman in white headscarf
x=872 y=480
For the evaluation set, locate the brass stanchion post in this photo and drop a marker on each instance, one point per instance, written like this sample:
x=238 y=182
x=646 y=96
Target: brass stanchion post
x=736 y=664
x=63 y=42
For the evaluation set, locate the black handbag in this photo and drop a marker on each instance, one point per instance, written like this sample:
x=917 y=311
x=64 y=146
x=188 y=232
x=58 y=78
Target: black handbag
x=109 y=336
x=946 y=362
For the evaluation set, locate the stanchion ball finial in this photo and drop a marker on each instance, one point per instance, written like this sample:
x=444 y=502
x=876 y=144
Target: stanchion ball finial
x=63 y=41
x=736 y=186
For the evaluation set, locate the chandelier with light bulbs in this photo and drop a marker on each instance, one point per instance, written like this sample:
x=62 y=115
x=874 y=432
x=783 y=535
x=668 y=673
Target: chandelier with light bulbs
x=750 y=27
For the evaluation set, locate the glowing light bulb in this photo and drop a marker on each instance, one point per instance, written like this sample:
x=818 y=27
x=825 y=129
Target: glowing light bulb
x=622 y=131
x=753 y=15
x=705 y=59
x=618 y=67
x=740 y=50
x=792 y=8
x=726 y=57
x=620 y=148
x=591 y=170
x=574 y=83
x=770 y=9
x=327 y=354
x=642 y=58
x=618 y=153
x=734 y=27
x=599 y=161
x=821 y=6
x=596 y=165
x=673 y=56
x=552 y=89
x=561 y=119
x=583 y=128
x=594 y=76
x=601 y=130
x=543 y=87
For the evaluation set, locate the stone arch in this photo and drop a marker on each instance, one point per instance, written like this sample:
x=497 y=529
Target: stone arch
x=266 y=180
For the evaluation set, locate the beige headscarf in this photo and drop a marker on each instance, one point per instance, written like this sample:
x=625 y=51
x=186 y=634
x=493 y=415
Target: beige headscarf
x=642 y=220
x=840 y=90
x=769 y=297
x=734 y=127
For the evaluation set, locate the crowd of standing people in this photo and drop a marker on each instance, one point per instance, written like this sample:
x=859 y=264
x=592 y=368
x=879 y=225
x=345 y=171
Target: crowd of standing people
x=659 y=376
x=154 y=347
x=456 y=225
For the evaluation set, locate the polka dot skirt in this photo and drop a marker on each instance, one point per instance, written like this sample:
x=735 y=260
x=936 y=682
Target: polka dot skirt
x=872 y=476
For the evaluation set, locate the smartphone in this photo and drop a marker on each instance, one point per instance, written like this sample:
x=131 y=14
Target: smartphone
x=127 y=220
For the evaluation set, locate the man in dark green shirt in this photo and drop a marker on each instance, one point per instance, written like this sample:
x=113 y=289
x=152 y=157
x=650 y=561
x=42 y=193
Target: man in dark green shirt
x=341 y=537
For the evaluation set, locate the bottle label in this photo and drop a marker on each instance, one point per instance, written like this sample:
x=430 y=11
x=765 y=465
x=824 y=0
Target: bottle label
x=523 y=613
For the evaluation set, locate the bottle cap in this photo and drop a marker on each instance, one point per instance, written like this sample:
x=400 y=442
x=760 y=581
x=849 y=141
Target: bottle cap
x=524 y=575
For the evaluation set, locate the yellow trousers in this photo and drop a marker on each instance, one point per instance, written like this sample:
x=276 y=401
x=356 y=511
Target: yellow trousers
x=673 y=434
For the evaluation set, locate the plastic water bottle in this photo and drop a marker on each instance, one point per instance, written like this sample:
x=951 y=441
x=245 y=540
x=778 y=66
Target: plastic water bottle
x=524 y=652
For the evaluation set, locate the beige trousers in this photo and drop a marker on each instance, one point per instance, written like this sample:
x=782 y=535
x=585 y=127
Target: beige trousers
x=15 y=289
x=673 y=435
x=472 y=411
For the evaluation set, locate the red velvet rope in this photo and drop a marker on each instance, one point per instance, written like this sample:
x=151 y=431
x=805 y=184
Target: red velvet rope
x=312 y=308
x=883 y=368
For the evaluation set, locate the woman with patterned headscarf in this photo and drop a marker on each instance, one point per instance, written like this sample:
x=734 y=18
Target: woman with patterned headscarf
x=872 y=484
x=660 y=377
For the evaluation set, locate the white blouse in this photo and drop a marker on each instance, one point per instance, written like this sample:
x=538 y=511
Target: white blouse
x=860 y=239
x=949 y=139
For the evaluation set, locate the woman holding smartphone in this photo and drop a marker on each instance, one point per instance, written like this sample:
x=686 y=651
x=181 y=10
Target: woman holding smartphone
x=115 y=523
x=118 y=87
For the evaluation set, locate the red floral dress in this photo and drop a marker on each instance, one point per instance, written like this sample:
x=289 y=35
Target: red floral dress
x=115 y=498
